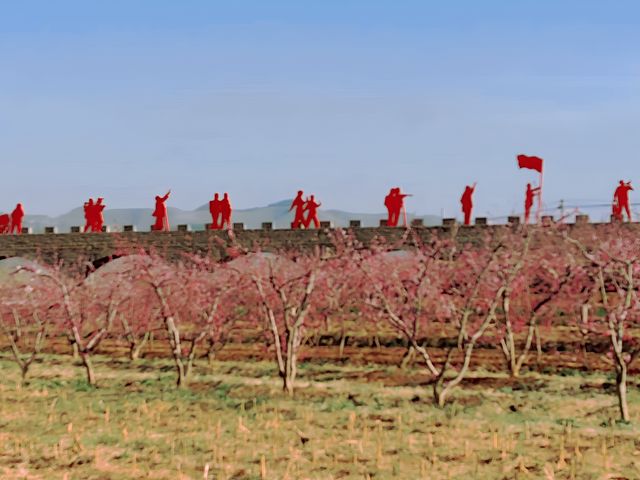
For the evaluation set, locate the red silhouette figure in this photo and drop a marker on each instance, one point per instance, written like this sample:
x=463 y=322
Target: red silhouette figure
x=5 y=223
x=97 y=216
x=16 y=219
x=215 y=209
x=616 y=211
x=93 y=215
x=621 y=200
x=467 y=203
x=298 y=203
x=530 y=194
x=311 y=207
x=396 y=203
x=225 y=209
x=160 y=212
x=389 y=202
x=89 y=213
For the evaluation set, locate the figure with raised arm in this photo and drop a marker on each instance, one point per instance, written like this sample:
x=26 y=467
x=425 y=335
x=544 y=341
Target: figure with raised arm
x=529 y=196
x=298 y=204
x=97 y=217
x=621 y=199
x=16 y=219
x=225 y=210
x=467 y=202
x=311 y=208
x=214 y=209
x=160 y=212
x=88 y=215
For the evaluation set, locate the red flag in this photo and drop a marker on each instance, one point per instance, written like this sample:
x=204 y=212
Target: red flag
x=534 y=163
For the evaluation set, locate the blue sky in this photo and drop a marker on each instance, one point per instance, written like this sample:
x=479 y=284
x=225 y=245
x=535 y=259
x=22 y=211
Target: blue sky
x=125 y=99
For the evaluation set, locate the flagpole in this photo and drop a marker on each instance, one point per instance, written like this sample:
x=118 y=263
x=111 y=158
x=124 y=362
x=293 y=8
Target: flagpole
x=540 y=192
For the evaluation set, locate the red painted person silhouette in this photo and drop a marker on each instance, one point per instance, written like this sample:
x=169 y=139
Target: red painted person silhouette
x=529 y=196
x=5 y=223
x=621 y=200
x=467 y=202
x=93 y=215
x=389 y=204
x=616 y=211
x=214 y=209
x=160 y=212
x=16 y=219
x=89 y=213
x=298 y=204
x=396 y=201
x=97 y=216
x=311 y=208
x=225 y=210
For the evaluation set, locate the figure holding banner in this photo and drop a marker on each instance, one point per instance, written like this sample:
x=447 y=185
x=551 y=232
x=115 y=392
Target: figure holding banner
x=532 y=163
x=529 y=195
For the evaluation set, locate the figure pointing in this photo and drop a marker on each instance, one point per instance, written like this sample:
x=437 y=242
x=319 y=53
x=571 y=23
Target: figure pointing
x=397 y=206
x=160 y=212
x=467 y=202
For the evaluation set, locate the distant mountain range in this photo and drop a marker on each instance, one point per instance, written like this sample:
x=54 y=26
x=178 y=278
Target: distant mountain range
x=276 y=213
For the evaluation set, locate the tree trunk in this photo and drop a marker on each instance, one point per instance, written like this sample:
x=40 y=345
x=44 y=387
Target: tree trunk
x=343 y=341
x=621 y=384
x=136 y=347
x=176 y=350
x=508 y=343
x=408 y=356
x=211 y=354
x=440 y=394
x=291 y=361
x=441 y=388
x=192 y=353
x=538 y=347
x=180 y=370
x=287 y=384
x=86 y=361
x=24 y=369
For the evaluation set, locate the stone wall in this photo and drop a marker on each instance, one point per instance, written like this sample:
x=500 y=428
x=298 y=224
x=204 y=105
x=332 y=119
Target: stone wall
x=98 y=247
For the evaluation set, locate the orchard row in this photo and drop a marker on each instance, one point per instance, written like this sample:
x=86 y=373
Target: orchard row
x=499 y=288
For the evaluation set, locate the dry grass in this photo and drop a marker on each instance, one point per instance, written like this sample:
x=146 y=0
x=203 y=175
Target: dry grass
x=233 y=422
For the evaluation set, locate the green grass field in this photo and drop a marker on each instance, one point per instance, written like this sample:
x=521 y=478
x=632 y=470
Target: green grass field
x=233 y=422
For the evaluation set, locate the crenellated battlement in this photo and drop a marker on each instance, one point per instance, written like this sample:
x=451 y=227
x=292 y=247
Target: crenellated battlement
x=98 y=247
